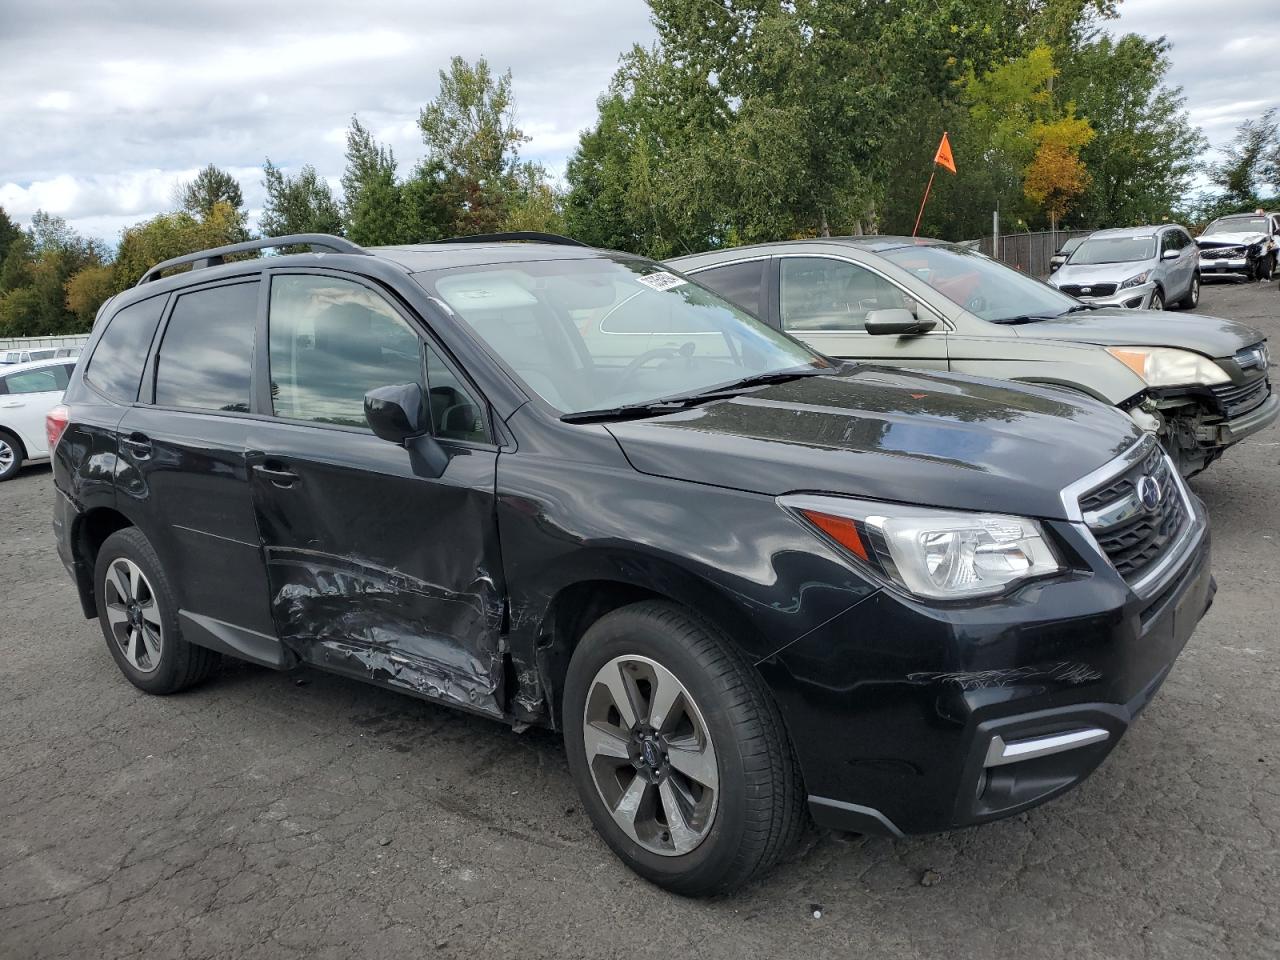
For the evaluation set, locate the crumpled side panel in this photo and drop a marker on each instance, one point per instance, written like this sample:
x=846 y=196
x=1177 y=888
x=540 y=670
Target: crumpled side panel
x=384 y=625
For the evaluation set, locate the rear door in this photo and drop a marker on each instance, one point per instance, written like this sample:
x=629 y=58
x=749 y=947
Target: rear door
x=183 y=474
x=25 y=398
x=377 y=569
x=824 y=301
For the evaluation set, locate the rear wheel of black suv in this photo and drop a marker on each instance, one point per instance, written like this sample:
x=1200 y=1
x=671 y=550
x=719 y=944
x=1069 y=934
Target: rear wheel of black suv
x=678 y=751
x=138 y=613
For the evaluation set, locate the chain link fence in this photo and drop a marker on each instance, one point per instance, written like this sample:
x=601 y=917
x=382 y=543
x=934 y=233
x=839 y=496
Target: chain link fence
x=1029 y=252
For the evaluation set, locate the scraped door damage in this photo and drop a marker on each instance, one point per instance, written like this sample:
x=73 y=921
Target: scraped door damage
x=380 y=574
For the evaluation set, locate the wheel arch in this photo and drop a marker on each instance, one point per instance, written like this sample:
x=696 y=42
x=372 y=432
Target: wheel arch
x=88 y=533
x=554 y=633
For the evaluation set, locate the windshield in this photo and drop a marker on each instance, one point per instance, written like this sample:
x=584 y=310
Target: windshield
x=1237 y=225
x=1114 y=250
x=604 y=332
x=982 y=286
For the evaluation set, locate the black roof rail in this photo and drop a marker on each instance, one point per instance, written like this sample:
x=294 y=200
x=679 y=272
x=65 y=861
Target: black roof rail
x=529 y=236
x=213 y=257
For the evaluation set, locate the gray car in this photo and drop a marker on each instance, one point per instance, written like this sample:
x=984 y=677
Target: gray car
x=1200 y=383
x=1138 y=267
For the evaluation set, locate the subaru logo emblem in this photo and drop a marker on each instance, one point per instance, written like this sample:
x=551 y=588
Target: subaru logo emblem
x=1086 y=289
x=1149 y=492
x=650 y=754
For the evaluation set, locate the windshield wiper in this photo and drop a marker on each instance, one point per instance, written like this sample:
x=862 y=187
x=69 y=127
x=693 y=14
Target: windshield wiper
x=1035 y=318
x=723 y=391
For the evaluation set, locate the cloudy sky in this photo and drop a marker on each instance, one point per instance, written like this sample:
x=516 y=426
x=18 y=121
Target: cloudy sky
x=105 y=106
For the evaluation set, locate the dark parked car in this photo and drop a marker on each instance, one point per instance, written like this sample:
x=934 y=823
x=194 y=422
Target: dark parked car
x=1064 y=251
x=747 y=583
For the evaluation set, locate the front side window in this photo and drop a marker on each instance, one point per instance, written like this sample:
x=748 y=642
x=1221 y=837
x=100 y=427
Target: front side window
x=115 y=368
x=598 y=332
x=332 y=341
x=982 y=286
x=44 y=380
x=819 y=293
x=206 y=356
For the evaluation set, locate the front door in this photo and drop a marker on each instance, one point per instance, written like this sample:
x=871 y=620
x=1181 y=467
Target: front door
x=824 y=301
x=25 y=398
x=376 y=569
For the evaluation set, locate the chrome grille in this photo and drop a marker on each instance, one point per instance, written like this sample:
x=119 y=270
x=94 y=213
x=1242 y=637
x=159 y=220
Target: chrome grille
x=1134 y=535
x=1242 y=397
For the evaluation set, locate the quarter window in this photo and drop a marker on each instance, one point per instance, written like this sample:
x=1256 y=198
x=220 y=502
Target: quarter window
x=455 y=414
x=206 y=356
x=740 y=283
x=818 y=293
x=116 y=365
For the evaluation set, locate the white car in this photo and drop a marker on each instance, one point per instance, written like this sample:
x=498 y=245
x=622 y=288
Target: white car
x=28 y=391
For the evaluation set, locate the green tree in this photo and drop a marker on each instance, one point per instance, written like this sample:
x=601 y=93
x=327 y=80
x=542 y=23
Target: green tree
x=1250 y=164
x=170 y=235
x=298 y=204
x=372 y=205
x=425 y=211
x=471 y=136
x=534 y=204
x=210 y=187
x=88 y=289
x=9 y=232
x=1144 y=154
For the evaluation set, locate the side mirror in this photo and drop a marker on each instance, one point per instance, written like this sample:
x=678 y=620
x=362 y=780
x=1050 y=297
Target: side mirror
x=397 y=413
x=897 y=322
x=1170 y=255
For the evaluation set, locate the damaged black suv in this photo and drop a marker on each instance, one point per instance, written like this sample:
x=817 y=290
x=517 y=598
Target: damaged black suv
x=561 y=486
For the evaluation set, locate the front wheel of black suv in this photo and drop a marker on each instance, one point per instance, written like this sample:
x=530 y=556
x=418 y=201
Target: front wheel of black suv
x=138 y=613
x=678 y=751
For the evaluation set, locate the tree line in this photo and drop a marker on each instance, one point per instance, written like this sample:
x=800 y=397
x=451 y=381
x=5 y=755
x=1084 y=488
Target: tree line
x=745 y=121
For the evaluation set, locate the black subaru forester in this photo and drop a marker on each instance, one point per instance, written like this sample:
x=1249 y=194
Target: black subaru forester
x=563 y=486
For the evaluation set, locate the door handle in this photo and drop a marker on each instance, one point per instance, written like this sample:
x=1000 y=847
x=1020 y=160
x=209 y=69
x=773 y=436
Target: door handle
x=12 y=403
x=277 y=475
x=137 y=444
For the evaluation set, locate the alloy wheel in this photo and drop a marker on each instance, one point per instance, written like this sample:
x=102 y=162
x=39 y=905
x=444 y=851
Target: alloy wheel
x=1195 y=291
x=651 y=756
x=7 y=456
x=1157 y=301
x=134 y=615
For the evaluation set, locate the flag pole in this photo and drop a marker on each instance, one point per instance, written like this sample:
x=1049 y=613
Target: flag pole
x=928 y=187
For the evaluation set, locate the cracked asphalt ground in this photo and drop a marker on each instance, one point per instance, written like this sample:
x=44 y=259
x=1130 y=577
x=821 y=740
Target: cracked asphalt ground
x=272 y=815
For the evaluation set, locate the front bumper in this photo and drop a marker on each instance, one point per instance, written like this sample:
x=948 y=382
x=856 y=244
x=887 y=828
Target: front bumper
x=1132 y=298
x=1223 y=265
x=1259 y=418
x=895 y=707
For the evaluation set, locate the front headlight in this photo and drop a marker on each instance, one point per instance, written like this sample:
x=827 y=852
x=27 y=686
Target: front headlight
x=1167 y=367
x=1136 y=281
x=933 y=554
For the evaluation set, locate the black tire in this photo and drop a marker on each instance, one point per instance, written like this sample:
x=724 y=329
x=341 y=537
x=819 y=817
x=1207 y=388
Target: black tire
x=11 y=464
x=1192 y=299
x=761 y=809
x=1157 y=300
x=180 y=664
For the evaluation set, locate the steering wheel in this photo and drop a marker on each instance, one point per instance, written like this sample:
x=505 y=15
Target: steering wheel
x=632 y=368
x=976 y=304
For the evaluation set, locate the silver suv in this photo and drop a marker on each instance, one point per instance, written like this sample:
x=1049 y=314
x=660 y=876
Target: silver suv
x=1137 y=267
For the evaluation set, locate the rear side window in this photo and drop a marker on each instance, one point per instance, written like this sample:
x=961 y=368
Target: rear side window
x=206 y=356
x=116 y=365
x=739 y=283
x=43 y=380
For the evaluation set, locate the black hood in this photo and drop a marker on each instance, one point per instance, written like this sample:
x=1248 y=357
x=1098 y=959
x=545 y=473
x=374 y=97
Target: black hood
x=1211 y=336
x=913 y=437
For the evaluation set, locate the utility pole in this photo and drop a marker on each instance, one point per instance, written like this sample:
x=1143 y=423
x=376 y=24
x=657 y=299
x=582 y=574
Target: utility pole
x=995 y=232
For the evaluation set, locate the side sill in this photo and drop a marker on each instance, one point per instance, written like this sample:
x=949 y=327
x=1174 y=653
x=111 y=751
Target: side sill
x=232 y=640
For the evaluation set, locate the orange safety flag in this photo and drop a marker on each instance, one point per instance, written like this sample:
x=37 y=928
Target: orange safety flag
x=943 y=157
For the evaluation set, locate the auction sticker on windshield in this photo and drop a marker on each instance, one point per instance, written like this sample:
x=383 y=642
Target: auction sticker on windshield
x=661 y=280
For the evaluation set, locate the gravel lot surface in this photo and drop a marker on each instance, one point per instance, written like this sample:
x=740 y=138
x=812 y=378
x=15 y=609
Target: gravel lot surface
x=271 y=815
